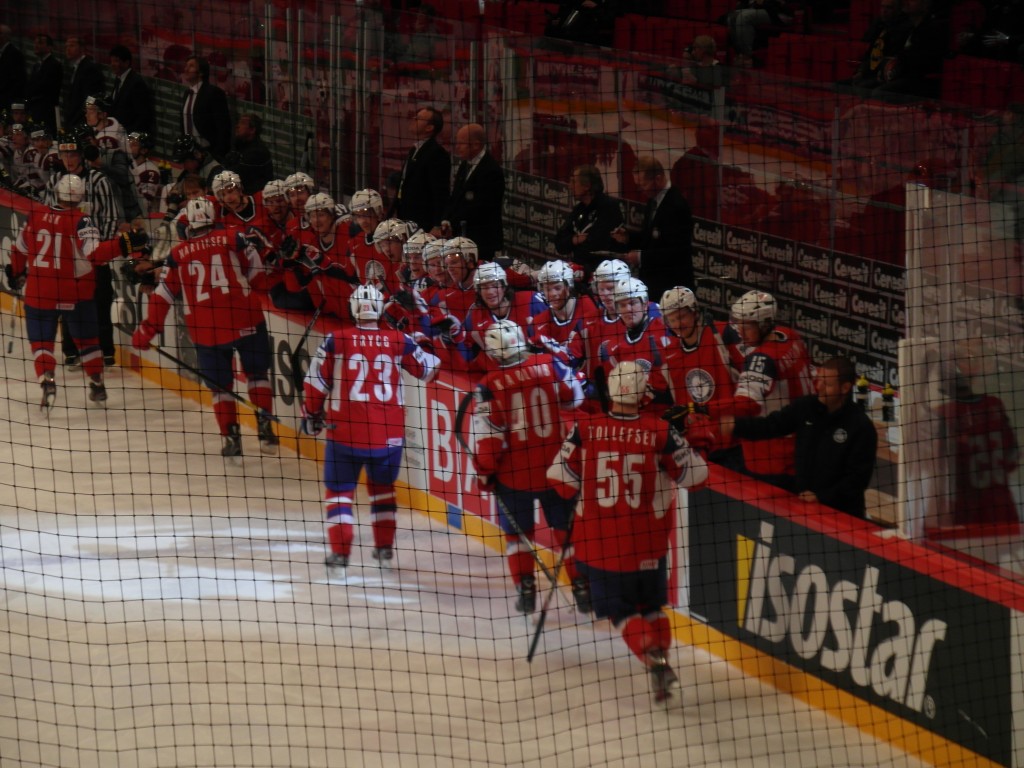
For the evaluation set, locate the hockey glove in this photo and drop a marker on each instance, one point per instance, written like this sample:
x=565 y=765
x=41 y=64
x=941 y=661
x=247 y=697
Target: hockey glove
x=288 y=247
x=17 y=282
x=702 y=433
x=143 y=336
x=451 y=329
x=423 y=342
x=313 y=423
x=395 y=316
x=133 y=241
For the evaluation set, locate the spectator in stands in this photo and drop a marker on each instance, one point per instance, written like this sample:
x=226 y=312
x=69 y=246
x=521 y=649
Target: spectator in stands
x=250 y=157
x=696 y=173
x=130 y=98
x=884 y=39
x=586 y=236
x=835 y=439
x=661 y=251
x=474 y=208
x=204 y=110
x=1001 y=35
x=423 y=189
x=584 y=21
x=12 y=69
x=86 y=80
x=749 y=19
x=917 y=68
x=42 y=94
x=703 y=68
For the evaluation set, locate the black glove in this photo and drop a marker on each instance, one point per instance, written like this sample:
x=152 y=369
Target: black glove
x=394 y=316
x=313 y=423
x=140 y=271
x=677 y=416
x=406 y=301
x=133 y=241
x=17 y=282
x=288 y=247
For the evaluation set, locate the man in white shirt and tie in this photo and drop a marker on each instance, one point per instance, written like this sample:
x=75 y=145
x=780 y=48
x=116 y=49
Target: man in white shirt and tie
x=204 y=110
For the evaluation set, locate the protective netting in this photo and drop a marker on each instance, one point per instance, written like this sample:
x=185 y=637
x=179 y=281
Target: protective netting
x=166 y=599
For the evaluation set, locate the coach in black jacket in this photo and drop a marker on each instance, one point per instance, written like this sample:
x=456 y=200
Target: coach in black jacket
x=662 y=248
x=42 y=94
x=86 y=80
x=423 y=190
x=474 y=209
x=835 y=440
x=12 y=70
x=204 y=110
x=130 y=95
x=586 y=235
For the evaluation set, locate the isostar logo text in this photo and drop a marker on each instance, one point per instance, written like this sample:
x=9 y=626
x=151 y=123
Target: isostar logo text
x=847 y=627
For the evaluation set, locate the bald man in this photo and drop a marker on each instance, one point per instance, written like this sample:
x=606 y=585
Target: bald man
x=474 y=209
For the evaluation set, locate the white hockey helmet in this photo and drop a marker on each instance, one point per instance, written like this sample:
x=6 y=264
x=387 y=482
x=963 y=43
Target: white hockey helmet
x=418 y=242
x=321 y=201
x=491 y=272
x=226 y=180
x=393 y=229
x=755 y=307
x=464 y=248
x=366 y=303
x=200 y=213
x=505 y=343
x=627 y=383
x=367 y=200
x=556 y=271
x=610 y=269
x=630 y=288
x=432 y=249
x=274 y=188
x=300 y=180
x=678 y=298
x=70 y=189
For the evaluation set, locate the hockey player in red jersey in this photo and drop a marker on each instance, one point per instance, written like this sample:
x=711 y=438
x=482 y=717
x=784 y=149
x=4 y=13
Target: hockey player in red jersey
x=585 y=343
x=389 y=238
x=625 y=466
x=566 y=313
x=298 y=186
x=215 y=272
x=983 y=449
x=642 y=336
x=776 y=370
x=354 y=390
x=518 y=429
x=367 y=212
x=696 y=363
x=53 y=261
x=495 y=301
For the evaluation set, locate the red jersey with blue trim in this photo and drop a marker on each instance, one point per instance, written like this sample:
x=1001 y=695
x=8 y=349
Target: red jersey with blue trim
x=700 y=374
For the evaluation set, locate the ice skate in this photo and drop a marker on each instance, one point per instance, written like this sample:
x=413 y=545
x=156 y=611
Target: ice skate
x=97 y=389
x=268 y=440
x=337 y=566
x=527 y=600
x=385 y=557
x=581 y=594
x=664 y=682
x=49 y=389
x=232 y=442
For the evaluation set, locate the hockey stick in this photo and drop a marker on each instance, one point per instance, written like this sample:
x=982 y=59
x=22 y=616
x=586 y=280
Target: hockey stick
x=213 y=385
x=542 y=617
x=299 y=376
x=14 y=322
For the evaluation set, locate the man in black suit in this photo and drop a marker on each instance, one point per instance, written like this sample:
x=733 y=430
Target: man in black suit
x=204 y=110
x=662 y=248
x=423 y=190
x=130 y=98
x=12 y=70
x=86 y=80
x=42 y=94
x=474 y=209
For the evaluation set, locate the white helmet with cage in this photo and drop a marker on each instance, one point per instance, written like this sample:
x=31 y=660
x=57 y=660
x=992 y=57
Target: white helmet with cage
x=366 y=303
x=70 y=189
x=627 y=383
x=678 y=298
x=200 y=213
x=225 y=180
x=505 y=343
x=274 y=188
x=555 y=272
x=630 y=288
x=366 y=200
x=321 y=201
x=755 y=307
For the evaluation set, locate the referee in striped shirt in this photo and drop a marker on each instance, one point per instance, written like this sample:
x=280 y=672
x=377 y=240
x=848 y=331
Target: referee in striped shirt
x=103 y=204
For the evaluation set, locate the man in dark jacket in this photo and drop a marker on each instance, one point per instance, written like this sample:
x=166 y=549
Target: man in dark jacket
x=42 y=94
x=423 y=190
x=86 y=80
x=204 y=110
x=12 y=70
x=250 y=158
x=835 y=440
x=586 y=236
x=131 y=99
